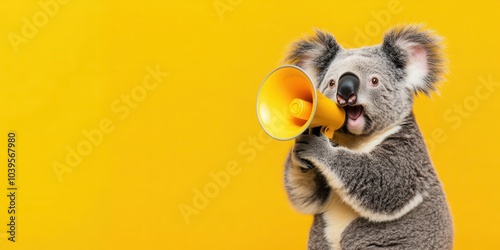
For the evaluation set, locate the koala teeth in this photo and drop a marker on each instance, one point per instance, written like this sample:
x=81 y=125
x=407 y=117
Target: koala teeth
x=354 y=112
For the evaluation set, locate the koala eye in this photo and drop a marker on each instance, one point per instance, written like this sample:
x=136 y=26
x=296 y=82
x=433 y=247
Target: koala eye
x=331 y=83
x=374 y=81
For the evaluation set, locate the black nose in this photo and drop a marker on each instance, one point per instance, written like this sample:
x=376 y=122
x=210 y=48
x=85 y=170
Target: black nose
x=348 y=89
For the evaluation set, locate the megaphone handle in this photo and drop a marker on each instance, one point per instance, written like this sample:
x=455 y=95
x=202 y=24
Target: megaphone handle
x=318 y=130
x=327 y=131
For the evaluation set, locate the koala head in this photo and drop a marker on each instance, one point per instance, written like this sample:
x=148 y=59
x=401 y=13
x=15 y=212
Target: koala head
x=375 y=85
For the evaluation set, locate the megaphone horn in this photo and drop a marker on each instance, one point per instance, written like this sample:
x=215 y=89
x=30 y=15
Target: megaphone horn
x=288 y=104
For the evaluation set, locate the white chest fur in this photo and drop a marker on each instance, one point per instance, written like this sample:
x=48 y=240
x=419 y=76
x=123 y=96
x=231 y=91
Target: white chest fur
x=338 y=216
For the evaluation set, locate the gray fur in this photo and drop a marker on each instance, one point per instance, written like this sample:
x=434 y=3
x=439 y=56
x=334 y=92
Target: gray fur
x=317 y=239
x=319 y=50
x=318 y=190
x=392 y=185
x=425 y=227
x=430 y=43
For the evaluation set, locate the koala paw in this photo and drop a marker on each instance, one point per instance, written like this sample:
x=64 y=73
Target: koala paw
x=309 y=149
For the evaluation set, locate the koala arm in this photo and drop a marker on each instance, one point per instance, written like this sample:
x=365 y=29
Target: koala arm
x=381 y=185
x=307 y=189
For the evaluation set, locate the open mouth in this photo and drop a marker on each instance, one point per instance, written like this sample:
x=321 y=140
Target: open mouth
x=355 y=120
x=354 y=112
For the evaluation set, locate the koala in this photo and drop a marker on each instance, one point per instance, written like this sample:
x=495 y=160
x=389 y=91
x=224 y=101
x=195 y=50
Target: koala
x=373 y=186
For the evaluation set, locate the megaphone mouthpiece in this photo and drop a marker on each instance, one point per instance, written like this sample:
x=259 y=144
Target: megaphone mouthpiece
x=301 y=109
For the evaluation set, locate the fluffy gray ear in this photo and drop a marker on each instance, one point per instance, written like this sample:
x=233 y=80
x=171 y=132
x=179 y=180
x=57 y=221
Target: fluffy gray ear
x=314 y=53
x=419 y=53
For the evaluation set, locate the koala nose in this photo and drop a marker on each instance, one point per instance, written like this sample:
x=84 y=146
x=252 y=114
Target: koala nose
x=348 y=89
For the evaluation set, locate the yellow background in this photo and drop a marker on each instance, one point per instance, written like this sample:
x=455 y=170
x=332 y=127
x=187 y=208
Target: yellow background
x=200 y=120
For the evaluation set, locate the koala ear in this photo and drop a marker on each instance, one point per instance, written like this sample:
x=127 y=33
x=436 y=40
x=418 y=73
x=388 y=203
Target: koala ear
x=418 y=52
x=315 y=53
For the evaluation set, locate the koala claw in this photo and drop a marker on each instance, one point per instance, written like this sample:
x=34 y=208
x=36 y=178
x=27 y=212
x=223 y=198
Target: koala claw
x=304 y=169
x=306 y=166
x=309 y=148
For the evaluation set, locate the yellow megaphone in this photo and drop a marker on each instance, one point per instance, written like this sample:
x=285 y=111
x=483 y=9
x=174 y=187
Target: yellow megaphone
x=288 y=104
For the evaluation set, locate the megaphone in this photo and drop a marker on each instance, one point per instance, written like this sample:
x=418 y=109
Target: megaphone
x=288 y=104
